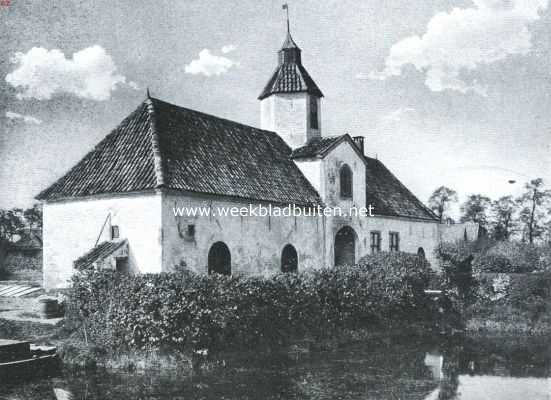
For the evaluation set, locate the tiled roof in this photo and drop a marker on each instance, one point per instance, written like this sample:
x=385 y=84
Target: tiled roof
x=122 y=162
x=389 y=196
x=290 y=75
x=98 y=253
x=290 y=78
x=316 y=147
x=161 y=145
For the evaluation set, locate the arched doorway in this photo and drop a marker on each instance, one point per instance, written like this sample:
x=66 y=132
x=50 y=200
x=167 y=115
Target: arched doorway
x=289 y=259
x=219 y=261
x=421 y=252
x=345 y=246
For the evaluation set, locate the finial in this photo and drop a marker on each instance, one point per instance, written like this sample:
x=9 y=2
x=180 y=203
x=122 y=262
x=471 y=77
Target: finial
x=286 y=8
x=148 y=95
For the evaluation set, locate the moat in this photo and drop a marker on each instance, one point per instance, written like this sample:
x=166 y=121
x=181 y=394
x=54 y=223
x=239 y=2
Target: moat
x=381 y=368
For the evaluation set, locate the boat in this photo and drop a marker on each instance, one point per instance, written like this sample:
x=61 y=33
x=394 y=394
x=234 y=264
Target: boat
x=21 y=359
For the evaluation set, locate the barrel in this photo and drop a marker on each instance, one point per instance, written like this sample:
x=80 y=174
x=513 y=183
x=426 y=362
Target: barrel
x=49 y=308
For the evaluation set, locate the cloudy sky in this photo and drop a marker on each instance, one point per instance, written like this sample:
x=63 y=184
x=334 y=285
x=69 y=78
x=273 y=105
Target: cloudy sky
x=454 y=93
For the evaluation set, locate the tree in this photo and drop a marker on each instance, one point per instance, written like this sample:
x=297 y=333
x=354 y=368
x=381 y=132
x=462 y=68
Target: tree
x=475 y=209
x=441 y=199
x=533 y=203
x=503 y=222
x=11 y=221
x=33 y=216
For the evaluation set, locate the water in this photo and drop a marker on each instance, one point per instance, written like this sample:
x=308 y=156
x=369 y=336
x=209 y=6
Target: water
x=384 y=368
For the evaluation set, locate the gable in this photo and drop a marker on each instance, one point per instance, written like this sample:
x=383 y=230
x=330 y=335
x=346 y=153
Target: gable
x=349 y=151
x=319 y=147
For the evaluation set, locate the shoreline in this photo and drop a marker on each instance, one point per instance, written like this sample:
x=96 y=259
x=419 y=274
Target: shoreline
x=74 y=353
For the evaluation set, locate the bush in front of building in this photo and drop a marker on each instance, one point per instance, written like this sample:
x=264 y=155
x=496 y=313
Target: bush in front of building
x=187 y=312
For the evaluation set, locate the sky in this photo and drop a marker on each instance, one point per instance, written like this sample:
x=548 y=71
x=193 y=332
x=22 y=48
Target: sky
x=454 y=93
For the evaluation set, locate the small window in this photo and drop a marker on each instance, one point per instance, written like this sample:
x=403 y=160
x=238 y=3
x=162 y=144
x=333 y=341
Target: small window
x=375 y=243
x=394 y=239
x=313 y=113
x=114 y=232
x=190 y=231
x=121 y=265
x=346 y=181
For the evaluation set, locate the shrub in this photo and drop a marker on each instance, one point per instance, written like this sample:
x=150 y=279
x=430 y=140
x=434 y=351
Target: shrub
x=456 y=262
x=187 y=312
x=520 y=257
x=497 y=263
x=531 y=296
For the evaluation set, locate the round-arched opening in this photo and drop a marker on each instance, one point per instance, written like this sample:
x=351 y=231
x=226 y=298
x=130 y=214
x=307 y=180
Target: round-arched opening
x=421 y=252
x=345 y=178
x=219 y=260
x=345 y=246
x=289 y=259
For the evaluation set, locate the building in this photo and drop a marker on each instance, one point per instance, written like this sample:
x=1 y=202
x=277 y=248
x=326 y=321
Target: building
x=115 y=208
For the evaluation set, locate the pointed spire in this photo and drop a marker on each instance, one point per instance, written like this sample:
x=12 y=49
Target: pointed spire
x=289 y=42
x=286 y=8
x=147 y=94
x=290 y=76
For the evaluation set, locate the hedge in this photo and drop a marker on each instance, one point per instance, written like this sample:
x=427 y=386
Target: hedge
x=184 y=311
x=496 y=281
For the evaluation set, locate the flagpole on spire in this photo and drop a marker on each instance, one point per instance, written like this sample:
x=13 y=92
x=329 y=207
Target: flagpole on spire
x=286 y=8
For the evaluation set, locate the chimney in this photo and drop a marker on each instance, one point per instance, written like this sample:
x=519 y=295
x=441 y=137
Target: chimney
x=359 y=141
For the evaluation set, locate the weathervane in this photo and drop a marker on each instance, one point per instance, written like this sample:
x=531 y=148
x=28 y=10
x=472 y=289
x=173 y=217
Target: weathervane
x=286 y=8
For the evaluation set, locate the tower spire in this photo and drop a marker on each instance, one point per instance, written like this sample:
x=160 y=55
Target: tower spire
x=286 y=8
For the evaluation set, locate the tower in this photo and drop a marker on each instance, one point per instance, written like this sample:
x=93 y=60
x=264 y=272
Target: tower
x=290 y=103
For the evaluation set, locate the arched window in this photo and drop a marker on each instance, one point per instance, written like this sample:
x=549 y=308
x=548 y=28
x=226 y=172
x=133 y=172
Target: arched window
x=346 y=181
x=219 y=260
x=289 y=259
x=345 y=246
x=421 y=252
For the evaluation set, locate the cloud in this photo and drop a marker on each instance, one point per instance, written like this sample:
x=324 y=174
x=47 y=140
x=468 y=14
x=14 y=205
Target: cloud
x=228 y=48
x=42 y=73
x=209 y=64
x=464 y=39
x=398 y=114
x=25 y=118
x=134 y=85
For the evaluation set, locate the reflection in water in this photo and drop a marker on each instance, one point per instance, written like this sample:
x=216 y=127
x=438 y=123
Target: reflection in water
x=381 y=368
x=497 y=387
x=435 y=362
x=62 y=394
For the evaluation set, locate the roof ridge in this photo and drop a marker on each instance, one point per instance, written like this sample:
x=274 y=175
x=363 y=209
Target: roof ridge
x=154 y=99
x=155 y=145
